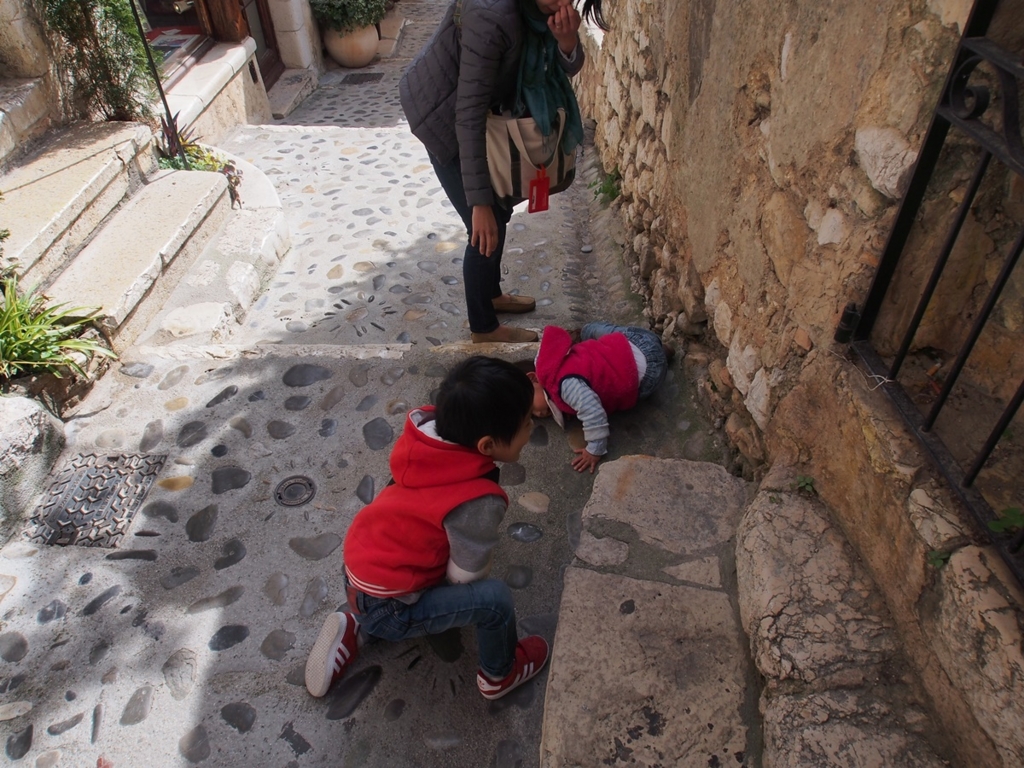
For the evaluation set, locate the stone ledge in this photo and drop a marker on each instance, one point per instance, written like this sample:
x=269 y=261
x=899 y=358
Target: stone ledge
x=290 y=91
x=196 y=91
x=884 y=496
x=837 y=690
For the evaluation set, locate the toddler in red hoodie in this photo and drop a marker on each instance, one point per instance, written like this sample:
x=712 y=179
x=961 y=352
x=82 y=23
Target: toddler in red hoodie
x=609 y=369
x=418 y=556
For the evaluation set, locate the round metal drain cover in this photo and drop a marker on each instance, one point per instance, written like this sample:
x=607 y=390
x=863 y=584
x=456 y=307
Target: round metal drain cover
x=294 y=491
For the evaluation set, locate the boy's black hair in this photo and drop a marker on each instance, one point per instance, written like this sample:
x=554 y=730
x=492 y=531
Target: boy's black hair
x=481 y=397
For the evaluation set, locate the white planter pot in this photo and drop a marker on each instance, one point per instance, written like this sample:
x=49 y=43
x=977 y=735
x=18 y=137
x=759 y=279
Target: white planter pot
x=354 y=49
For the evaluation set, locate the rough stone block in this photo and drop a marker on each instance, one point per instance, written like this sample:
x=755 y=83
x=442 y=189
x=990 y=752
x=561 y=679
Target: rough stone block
x=31 y=439
x=887 y=159
x=981 y=632
x=784 y=234
x=722 y=322
x=743 y=363
x=810 y=608
x=842 y=728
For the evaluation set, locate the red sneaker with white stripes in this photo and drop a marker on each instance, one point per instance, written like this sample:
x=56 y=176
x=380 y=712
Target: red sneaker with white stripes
x=531 y=656
x=335 y=648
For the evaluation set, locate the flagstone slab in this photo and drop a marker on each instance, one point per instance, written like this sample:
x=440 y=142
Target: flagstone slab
x=644 y=674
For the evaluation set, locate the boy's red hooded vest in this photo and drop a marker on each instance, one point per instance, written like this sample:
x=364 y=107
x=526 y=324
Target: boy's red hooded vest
x=397 y=544
x=606 y=364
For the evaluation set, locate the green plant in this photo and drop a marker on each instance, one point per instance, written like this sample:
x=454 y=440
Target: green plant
x=805 y=484
x=174 y=142
x=1011 y=519
x=346 y=15
x=100 y=59
x=937 y=558
x=608 y=188
x=36 y=338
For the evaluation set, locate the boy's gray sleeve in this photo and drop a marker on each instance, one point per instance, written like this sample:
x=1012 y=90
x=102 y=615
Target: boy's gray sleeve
x=473 y=533
x=582 y=399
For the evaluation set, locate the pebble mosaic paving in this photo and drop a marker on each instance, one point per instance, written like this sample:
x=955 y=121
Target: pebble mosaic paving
x=186 y=644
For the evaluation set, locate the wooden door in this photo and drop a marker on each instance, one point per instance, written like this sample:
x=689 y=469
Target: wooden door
x=261 y=28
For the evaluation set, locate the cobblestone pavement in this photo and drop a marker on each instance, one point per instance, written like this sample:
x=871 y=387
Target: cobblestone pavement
x=186 y=642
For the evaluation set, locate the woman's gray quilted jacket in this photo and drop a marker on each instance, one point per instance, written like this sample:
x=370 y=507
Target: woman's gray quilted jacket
x=447 y=103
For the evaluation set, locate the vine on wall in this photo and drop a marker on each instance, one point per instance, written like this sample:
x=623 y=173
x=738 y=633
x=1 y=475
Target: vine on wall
x=99 y=59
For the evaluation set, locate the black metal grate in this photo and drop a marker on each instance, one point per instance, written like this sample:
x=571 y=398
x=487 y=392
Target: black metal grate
x=362 y=78
x=93 y=500
x=978 y=118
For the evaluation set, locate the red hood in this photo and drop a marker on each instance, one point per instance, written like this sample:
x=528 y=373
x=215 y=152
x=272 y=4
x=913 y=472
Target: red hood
x=419 y=460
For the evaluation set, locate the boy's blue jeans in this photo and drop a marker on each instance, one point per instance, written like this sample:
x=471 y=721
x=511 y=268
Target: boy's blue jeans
x=644 y=340
x=486 y=604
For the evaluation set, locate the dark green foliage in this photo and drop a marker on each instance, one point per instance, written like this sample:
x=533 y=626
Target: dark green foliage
x=346 y=15
x=1012 y=519
x=938 y=558
x=100 y=59
x=37 y=338
x=608 y=188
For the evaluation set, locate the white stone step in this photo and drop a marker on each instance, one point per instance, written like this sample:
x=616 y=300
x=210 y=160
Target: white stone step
x=55 y=199
x=230 y=274
x=649 y=664
x=139 y=256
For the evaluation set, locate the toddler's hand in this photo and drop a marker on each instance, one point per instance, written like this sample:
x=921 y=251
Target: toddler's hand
x=584 y=460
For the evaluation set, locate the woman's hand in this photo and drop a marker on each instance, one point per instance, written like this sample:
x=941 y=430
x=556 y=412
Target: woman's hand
x=565 y=26
x=485 y=230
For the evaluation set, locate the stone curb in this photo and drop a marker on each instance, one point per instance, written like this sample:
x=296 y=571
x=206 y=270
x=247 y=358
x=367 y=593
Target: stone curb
x=837 y=689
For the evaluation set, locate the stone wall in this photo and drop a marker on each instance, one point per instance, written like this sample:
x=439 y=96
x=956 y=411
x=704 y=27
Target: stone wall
x=763 y=148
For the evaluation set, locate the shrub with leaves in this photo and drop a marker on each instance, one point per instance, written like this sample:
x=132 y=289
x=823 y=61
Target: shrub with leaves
x=346 y=15
x=36 y=338
x=1011 y=519
x=175 y=142
x=608 y=188
x=101 y=63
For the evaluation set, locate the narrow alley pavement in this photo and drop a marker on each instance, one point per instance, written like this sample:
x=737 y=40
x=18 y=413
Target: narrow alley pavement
x=186 y=643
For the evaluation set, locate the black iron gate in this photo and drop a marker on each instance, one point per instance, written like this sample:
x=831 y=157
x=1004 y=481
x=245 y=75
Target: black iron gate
x=979 y=105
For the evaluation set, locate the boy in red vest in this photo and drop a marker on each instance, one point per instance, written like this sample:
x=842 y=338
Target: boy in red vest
x=611 y=368
x=417 y=557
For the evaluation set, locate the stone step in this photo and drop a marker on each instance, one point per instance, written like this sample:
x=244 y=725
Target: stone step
x=56 y=198
x=838 y=689
x=649 y=664
x=290 y=90
x=206 y=306
x=138 y=257
x=24 y=113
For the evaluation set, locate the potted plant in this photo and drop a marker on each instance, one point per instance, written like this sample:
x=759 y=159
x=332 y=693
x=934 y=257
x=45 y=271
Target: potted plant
x=349 y=29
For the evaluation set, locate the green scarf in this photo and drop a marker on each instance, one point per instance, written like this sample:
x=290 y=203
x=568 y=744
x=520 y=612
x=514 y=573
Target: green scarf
x=543 y=85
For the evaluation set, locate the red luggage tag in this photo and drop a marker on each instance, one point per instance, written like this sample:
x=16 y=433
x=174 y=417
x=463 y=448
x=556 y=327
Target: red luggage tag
x=539 y=191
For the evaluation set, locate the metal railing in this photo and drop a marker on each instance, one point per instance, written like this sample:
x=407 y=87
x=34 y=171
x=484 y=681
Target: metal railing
x=966 y=106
